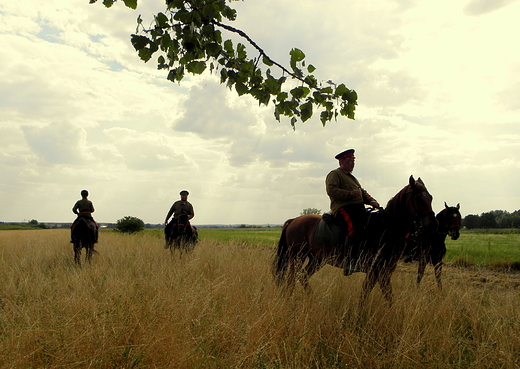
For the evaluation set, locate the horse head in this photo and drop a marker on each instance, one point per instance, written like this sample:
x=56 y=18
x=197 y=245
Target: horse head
x=413 y=204
x=182 y=224
x=451 y=220
x=420 y=204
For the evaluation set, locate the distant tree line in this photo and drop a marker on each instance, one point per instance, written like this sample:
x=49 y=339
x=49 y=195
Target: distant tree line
x=493 y=219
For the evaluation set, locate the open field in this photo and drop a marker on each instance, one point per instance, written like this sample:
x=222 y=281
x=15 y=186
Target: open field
x=136 y=306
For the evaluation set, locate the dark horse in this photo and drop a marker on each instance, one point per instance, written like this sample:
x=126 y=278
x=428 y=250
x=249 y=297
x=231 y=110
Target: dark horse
x=83 y=235
x=180 y=235
x=299 y=256
x=431 y=248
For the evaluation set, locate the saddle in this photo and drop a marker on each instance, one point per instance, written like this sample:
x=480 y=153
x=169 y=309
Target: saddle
x=329 y=233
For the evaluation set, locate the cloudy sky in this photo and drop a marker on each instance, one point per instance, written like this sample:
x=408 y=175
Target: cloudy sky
x=438 y=85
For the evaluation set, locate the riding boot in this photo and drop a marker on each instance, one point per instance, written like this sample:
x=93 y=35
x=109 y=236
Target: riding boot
x=350 y=260
x=96 y=237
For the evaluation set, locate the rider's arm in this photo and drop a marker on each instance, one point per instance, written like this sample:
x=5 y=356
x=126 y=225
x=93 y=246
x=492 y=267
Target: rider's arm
x=75 y=208
x=172 y=209
x=192 y=213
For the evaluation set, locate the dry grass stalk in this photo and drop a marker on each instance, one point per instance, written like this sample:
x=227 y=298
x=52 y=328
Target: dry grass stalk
x=137 y=307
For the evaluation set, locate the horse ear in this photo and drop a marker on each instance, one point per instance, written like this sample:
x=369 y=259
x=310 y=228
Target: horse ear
x=458 y=206
x=411 y=181
x=445 y=205
x=420 y=181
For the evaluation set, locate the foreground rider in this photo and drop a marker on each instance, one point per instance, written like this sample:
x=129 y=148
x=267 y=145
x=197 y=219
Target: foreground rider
x=180 y=207
x=84 y=208
x=347 y=199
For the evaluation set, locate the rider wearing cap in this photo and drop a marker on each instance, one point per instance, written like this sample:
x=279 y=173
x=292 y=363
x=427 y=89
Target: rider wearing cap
x=347 y=199
x=179 y=207
x=84 y=208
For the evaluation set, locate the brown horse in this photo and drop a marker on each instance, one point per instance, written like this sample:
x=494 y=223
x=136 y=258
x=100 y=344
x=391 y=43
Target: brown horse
x=180 y=235
x=83 y=236
x=431 y=248
x=298 y=256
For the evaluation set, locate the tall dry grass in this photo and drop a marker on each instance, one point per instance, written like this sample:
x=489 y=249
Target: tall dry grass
x=137 y=307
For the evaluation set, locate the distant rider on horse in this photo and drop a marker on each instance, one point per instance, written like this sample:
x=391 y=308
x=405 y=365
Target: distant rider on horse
x=180 y=207
x=84 y=208
x=347 y=199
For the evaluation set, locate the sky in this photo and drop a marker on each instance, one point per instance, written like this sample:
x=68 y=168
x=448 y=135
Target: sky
x=438 y=85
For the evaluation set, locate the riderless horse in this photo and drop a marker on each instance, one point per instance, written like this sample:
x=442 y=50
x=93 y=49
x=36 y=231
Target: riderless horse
x=299 y=255
x=180 y=235
x=431 y=248
x=83 y=236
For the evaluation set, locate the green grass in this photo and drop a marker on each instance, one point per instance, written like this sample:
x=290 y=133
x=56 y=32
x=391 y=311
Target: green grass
x=495 y=248
x=17 y=226
x=251 y=237
x=476 y=247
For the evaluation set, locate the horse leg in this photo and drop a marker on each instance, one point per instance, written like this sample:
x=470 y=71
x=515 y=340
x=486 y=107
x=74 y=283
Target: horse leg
x=368 y=286
x=313 y=265
x=386 y=287
x=77 y=252
x=438 y=272
x=437 y=263
x=421 y=268
x=88 y=252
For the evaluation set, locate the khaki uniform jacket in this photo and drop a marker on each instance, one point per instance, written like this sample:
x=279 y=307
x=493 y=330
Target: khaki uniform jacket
x=179 y=208
x=83 y=207
x=343 y=189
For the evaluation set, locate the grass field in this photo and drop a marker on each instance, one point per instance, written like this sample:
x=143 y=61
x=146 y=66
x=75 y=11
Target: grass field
x=136 y=306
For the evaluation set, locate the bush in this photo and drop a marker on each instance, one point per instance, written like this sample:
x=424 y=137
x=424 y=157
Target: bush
x=130 y=225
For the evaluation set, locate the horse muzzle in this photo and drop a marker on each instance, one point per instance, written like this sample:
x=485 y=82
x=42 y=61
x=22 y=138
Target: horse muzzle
x=454 y=233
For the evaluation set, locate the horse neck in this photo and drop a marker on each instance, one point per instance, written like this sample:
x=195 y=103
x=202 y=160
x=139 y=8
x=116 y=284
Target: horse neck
x=399 y=219
x=443 y=224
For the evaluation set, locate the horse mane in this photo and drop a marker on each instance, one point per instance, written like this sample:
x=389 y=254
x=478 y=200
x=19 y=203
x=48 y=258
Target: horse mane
x=392 y=207
x=397 y=205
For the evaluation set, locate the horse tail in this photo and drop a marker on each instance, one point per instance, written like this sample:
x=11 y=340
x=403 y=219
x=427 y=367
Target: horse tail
x=281 y=259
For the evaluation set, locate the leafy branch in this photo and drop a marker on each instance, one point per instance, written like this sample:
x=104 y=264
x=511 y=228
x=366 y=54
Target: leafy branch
x=187 y=38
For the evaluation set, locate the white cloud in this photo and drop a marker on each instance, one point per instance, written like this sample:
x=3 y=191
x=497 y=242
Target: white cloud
x=437 y=93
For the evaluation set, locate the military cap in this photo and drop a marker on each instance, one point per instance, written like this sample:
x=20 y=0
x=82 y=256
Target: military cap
x=184 y=192
x=346 y=154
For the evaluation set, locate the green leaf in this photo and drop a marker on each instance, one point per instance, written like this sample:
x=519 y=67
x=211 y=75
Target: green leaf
x=145 y=54
x=350 y=96
x=241 y=51
x=306 y=111
x=241 y=89
x=282 y=96
x=213 y=49
x=297 y=55
x=139 y=42
x=161 y=19
x=228 y=46
x=273 y=86
x=311 y=68
x=340 y=90
x=108 y=3
x=196 y=67
x=277 y=114
x=132 y=4
x=300 y=92
x=326 y=90
x=325 y=116
x=267 y=61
